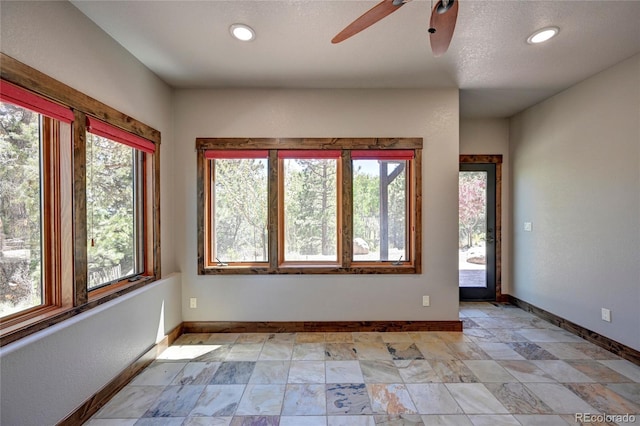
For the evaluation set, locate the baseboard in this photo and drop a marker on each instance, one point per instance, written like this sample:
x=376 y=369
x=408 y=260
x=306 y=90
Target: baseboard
x=100 y=398
x=317 y=326
x=604 y=342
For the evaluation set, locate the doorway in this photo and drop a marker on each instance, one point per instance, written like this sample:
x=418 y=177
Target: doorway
x=479 y=236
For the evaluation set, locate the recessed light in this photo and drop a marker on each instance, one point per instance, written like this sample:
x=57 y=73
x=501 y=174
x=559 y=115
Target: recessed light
x=543 y=35
x=242 y=32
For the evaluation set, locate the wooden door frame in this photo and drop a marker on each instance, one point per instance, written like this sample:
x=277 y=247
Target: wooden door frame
x=497 y=160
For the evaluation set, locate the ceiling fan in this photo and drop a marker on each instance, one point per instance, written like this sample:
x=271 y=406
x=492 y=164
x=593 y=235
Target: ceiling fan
x=442 y=24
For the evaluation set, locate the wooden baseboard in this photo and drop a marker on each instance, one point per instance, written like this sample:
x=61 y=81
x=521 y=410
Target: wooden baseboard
x=317 y=326
x=617 y=348
x=100 y=398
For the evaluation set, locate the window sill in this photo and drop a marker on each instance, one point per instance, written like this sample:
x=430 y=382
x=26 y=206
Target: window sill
x=12 y=331
x=354 y=269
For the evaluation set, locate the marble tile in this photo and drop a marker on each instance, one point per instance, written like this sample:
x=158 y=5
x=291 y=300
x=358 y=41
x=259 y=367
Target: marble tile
x=435 y=350
x=159 y=421
x=380 y=372
x=281 y=338
x=540 y=420
x=193 y=339
x=598 y=371
x=446 y=420
x=489 y=323
x=175 y=401
x=252 y=338
x=467 y=350
x=348 y=398
x=310 y=338
x=270 y=372
x=233 y=372
x=453 y=371
x=417 y=371
x=222 y=338
x=131 y=402
x=493 y=420
x=308 y=352
x=499 y=350
x=111 y=422
x=404 y=350
x=625 y=368
x=563 y=350
x=488 y=371
x=480 y=335
x=338 y=338
x=207 y=421
x=367 y=337
x=218 y=400
x=526 y=371
x=433 y=398
x=517 y=398
x=604 y=399
x=263 y=400
x=451 y=336
x=196 y=373
x=424 y=337
x=530 y=350
x=561 y=371
x=185 y=353
x=244 y=352
x=630 y=391
x=544 y=335
x=559 y=398
x=592 y=351
x=255 y=421
x=475 y=398
x=343 y=372
x=158 y=374
x=351 y=421
x=398 y=420
x=390 y=399
x=218 y=353
x=507 y=336
x=306 y=372
x=304 y=400
x=276 y=351
x=340 y=352
x=468 y=323
x=396 y=337
x=303 y=421
x=372 y=351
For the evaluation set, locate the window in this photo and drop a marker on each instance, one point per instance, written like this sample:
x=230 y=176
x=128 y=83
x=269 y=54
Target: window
x=381 y=195
x=237 y=221
x=310 y=204
x=79 y=202
x=332 y=207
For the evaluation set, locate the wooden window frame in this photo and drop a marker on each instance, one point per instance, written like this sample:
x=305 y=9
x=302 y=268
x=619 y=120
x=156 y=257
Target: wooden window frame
x=345 y=264
x=64 y=207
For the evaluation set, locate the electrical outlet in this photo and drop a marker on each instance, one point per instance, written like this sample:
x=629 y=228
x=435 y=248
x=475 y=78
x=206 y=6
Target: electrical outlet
x=606 y=315
x=193 y=303
x=528 y=226
x=426 y=301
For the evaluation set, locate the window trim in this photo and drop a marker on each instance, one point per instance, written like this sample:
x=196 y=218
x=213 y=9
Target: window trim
x=346 y=145
x=70 y=296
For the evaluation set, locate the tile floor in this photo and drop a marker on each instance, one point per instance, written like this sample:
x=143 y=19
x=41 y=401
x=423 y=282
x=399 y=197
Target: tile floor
x=508 y=367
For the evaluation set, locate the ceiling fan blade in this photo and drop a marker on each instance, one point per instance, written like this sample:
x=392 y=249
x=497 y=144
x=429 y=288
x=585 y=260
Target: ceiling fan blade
x=443 y=22
x=373 y=15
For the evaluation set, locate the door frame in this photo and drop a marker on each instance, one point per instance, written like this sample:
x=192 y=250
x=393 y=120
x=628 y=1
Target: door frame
x=497 y=160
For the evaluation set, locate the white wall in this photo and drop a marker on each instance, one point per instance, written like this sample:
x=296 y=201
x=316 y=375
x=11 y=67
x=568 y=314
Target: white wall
x=576 y=176
x=432 y=115
x=490 y=136
x=47 y=375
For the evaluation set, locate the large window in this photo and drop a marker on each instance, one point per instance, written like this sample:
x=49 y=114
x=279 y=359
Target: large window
x=20 y=209
x=79 y=203
x=329 y=208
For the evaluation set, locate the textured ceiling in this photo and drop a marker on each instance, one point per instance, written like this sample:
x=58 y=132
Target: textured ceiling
x=187 y=44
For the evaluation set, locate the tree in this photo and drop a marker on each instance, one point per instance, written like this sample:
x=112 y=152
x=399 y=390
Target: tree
x=472 y=206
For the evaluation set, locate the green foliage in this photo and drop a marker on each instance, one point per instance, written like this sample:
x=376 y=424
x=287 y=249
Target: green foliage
x=20 y=222
x=110 y=210
x=240 y=204
x=472 y=207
